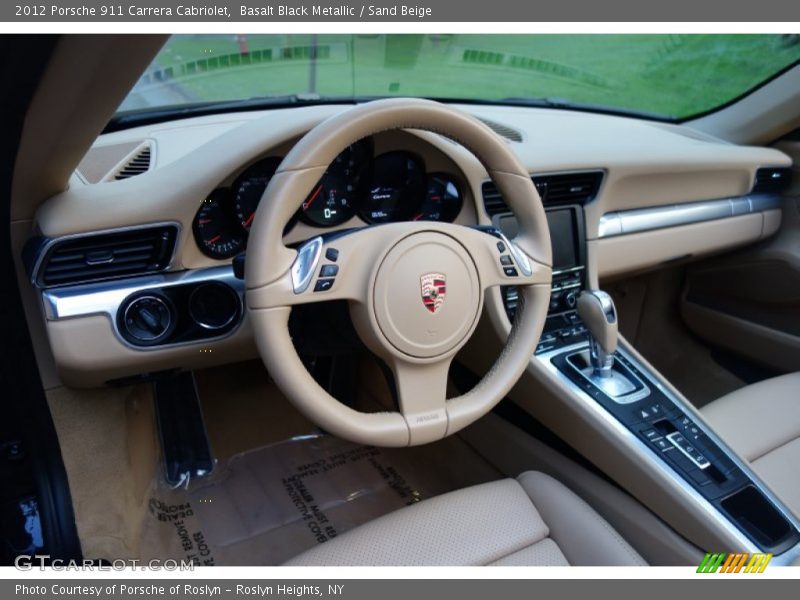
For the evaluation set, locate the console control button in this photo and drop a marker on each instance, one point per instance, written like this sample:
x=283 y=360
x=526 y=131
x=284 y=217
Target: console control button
x=328 y=270
x=510 y=271
x=651 y=434
x=662 y=444
x=501 y=247
x=571 y=299
x=323 y=285
x=505 y=260
x=681 y=443
x=332 y=254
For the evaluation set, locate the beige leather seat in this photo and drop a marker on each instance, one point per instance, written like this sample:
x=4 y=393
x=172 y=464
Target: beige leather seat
x=762 y=423
x=533 y=520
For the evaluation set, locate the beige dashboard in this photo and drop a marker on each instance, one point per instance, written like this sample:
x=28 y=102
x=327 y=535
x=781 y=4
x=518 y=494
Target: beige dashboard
x=644 y=165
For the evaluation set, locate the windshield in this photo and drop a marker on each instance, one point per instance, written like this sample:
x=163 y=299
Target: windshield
x=666 y=76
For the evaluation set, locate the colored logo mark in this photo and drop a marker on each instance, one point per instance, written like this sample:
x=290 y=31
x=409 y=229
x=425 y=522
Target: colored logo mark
x=739 y=562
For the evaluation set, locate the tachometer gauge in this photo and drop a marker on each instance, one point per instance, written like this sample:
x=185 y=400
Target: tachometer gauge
x=333 y=200
x=216 y=231
x=442 y=202
x=250 y=187
x=396 y=190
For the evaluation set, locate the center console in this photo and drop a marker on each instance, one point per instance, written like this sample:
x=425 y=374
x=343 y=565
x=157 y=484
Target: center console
x=579 y=347
x=563 y=326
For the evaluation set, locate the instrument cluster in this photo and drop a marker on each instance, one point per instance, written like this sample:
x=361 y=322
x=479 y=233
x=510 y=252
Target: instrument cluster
x=393 y=186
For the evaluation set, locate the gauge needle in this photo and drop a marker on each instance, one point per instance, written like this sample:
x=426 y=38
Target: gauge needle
x=249 y=220
x=214 y=239
x=418 y=217
x=308 y=202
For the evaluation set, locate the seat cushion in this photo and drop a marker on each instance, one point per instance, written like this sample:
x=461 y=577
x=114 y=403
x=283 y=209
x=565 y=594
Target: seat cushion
x=761 y=422
x=497 y=523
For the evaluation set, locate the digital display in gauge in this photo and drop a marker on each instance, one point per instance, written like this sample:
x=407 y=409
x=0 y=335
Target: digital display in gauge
x=335 y=197
x=442 y=201
x=396 y=190
x=249 y=188
x=216 y=231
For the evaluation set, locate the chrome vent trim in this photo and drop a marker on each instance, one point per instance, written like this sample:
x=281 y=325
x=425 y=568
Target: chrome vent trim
x=673 y=215
x=106 y=298
x=102 y=255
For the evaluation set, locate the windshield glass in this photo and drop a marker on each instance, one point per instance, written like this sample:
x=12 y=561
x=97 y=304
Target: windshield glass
x=666 y=76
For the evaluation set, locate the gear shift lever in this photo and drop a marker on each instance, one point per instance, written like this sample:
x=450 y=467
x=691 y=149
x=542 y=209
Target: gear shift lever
x=596 y=310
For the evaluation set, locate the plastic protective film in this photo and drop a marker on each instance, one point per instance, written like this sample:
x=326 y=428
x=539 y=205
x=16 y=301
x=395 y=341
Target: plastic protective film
x=268 y=505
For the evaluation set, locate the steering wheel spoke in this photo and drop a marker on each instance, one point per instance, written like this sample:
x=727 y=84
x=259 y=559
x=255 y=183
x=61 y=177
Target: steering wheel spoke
x=501 y=261
x=325 y=268
x=421 y=391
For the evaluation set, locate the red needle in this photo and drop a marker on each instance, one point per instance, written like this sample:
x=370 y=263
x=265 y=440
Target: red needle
x=308 y=202
x=419 y=216
x=214 y=239
x=249 y=220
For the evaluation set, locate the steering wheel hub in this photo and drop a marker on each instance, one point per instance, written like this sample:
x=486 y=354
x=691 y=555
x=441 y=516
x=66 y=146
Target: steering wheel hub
x=427 y=295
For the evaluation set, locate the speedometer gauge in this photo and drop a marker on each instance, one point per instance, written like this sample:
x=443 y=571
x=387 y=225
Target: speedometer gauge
x=250 y=187
x=442 y=201
x=397 y=188
x=215 y=230
x=333 y=200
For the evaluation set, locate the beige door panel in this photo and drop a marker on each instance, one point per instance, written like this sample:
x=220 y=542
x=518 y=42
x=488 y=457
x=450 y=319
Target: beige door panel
x=749 y=302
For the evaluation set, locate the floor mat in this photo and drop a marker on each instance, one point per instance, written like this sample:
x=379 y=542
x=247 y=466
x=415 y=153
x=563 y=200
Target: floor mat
x=265 y=506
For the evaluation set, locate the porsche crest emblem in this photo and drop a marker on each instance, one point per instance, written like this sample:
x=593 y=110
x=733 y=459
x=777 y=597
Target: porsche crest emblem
x=433 y=289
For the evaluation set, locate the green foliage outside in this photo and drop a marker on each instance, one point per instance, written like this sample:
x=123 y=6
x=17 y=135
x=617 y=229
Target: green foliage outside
x=673 y=76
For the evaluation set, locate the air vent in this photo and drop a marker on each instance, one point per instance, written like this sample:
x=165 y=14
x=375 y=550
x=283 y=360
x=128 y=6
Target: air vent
x=502 y=130
x=107 y=255
x=562 y=188
x=772 y=180
x=572 y=188
x=138 y=163
x=492 y=200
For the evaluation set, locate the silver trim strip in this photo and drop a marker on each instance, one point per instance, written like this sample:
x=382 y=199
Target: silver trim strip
x=626 y=399
x=659 y=217
x=106 y=297
x=42 y=252
x=654 y=461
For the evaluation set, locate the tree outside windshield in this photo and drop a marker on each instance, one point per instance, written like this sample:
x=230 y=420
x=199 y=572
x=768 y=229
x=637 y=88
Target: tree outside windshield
x=667 y=76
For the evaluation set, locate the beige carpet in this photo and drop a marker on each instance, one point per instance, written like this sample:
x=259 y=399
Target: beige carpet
x=248 y=511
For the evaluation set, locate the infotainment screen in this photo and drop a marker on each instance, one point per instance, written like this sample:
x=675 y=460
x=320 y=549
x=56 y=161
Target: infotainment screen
x=563 y=236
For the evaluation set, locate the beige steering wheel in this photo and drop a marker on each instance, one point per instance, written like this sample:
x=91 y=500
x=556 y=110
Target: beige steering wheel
x=415 y=289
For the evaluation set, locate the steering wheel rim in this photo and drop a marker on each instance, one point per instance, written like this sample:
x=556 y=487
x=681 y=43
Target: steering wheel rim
x=385 y=273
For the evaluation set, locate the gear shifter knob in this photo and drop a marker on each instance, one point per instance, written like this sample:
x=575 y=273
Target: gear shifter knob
x=596 y=310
